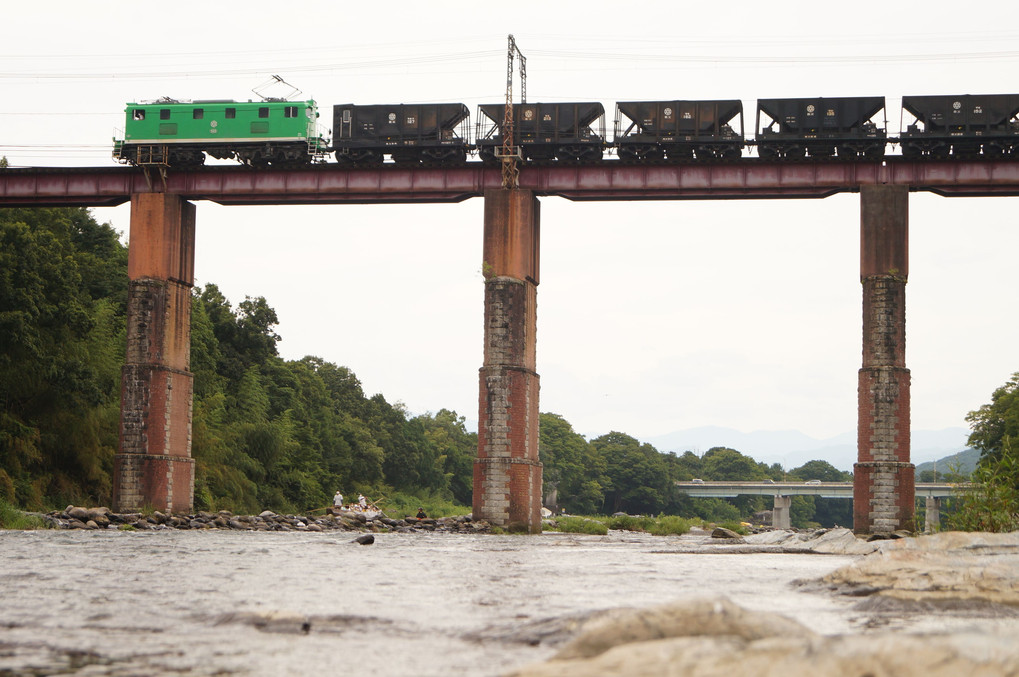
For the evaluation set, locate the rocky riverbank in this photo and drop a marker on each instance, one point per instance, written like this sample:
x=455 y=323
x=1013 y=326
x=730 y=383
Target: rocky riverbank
x=951 y=575
x=77 y=517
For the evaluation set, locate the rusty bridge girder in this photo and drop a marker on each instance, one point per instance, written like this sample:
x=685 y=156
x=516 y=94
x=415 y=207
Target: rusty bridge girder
x=749 y=178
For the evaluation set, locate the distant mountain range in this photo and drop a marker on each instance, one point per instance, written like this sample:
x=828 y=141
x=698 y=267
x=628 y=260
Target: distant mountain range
x=792 y=448
x=964 y=462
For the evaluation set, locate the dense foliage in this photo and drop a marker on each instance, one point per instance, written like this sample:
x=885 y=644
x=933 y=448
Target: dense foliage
x=616 y=473
x=63 y=290
x=267 y=432
x=274 y=433
x=994 y=504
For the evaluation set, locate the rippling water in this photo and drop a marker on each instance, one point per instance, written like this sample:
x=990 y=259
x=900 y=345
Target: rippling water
x=226 y=603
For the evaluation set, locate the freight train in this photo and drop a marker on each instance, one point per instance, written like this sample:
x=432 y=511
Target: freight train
x=285 y=133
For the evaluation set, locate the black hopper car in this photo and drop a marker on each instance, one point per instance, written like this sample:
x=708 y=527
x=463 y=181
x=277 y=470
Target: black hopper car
x=568 y=132
x=821 y=128
x=433 y=133
x=650 y=131
x=962 y=126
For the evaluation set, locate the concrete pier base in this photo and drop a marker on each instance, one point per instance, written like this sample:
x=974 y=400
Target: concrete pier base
x=780 y=514
x=932 y=519
x=883 y=482
x=507 y=472
x=154 y=468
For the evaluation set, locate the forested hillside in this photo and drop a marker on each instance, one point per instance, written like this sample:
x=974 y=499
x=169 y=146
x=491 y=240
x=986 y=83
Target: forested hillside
x=274 y=433
x=267 y=432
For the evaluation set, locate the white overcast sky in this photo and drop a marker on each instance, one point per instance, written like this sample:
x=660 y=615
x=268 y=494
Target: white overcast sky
x=652 y=316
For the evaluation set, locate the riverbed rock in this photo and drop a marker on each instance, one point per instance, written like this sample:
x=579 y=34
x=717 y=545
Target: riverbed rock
x=366 y=539
x=949 y=567
x=717 y=637
x=267 y=520
x=837 y=541
x=722 y=532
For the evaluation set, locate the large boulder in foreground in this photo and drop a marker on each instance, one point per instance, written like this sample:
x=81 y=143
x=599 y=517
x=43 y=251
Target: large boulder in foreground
x=718 y=638
x=949 y=567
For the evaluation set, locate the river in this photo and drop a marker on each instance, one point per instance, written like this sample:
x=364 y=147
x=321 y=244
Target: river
x=254 y=603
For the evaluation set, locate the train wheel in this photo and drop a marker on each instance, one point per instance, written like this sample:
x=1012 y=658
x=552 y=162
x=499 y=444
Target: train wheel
x=653 y=155
x=993 y=150
x=364 y=157
x=628 y=154
x=730 y=153
x=874 y=152
x=767 y=152
x=911 y=150
x=679 y=153
x=847 y=152
x=487 y=156
x=966 y=150
x=407 y=156
x=186 y=158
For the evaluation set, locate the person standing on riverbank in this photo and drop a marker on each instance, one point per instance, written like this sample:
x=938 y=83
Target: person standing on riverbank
x=338 y=500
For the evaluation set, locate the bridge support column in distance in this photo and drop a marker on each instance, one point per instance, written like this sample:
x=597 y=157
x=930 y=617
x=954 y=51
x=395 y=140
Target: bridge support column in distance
x=932 y=515
x=781 y=517
x=883 y=481
x=507 y=472
x=154 y=467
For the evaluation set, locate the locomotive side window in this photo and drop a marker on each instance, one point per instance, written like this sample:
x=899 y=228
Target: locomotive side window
x=164 y=113
x=231 y=113
x=263 y=112
x=290 y=111
x=138 y=114
x=198 y=114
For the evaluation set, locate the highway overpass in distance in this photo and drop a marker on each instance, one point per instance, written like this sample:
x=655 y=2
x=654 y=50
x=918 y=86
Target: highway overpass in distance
x=822 y=489
x=784 y=491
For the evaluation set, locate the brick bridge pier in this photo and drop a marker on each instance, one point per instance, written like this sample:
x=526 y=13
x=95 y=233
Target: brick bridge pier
x=507 y=472
x=154 y=467
x=883 y=479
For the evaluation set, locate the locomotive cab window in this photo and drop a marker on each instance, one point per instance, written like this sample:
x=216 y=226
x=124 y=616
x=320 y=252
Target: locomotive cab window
x=164 y=113
x=263 y=112
x=290 y=111
x=138 y=114
x=230 y=113
x=198 y=113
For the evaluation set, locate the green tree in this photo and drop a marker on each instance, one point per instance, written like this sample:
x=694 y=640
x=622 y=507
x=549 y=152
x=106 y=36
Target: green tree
x=61 y=348
x=456 y=449
x=637 y=481
x=995 y=421
x=819 y=470
x=993 y=503
x=724 y=464
x=570 y=466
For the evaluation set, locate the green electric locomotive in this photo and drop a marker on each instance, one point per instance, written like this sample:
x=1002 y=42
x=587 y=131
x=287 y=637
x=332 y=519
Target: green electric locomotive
x=258 y=133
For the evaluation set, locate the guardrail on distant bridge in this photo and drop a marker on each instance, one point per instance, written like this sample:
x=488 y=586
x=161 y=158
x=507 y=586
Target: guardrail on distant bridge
x=822 y=489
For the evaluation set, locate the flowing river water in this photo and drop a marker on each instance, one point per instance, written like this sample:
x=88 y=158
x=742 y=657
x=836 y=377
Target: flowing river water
x=255 y=603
